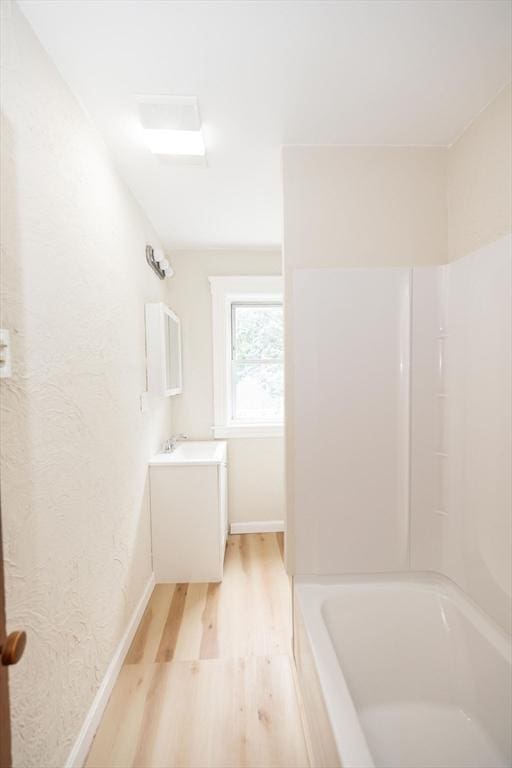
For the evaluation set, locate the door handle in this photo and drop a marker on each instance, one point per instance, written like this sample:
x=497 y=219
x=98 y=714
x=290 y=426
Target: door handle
x=12 y=650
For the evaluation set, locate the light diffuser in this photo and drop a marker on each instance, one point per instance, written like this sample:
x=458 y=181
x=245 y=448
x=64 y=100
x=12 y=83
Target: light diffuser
x=165 y=141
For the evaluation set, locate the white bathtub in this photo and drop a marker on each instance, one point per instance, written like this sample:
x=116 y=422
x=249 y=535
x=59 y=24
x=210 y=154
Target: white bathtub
x=401 y=672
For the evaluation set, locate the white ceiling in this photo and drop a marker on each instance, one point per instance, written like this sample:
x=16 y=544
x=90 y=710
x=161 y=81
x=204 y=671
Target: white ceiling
x=267 y=74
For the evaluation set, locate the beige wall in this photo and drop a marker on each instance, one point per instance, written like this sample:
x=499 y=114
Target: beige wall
x=74 y=444
x=256 y=472
x=364 y=206
x=383 y=206
x=480 y=180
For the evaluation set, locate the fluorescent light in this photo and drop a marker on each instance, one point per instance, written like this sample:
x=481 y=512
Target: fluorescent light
x=166 y=141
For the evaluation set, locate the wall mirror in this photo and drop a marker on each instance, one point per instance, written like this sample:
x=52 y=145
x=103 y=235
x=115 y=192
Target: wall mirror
x=163 y=350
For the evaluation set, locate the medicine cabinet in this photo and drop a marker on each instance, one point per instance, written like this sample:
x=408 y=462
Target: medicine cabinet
x=163 y=350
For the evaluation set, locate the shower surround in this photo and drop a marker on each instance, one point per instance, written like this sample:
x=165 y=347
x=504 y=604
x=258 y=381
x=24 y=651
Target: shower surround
x=401 y=466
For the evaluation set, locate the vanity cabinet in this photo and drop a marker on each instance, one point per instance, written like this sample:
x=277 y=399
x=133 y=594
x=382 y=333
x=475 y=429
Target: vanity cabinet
x=189 y=512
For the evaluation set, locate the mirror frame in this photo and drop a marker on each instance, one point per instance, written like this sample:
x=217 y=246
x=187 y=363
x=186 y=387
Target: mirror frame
x=158 y=352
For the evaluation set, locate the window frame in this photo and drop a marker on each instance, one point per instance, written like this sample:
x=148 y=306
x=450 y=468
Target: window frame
x=226 y=292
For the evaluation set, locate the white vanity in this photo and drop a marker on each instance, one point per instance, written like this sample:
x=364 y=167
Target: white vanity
x=189 y=521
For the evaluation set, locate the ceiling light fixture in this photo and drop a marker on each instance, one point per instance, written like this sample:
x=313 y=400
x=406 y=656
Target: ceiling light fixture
x=172 y=128
x=167 y=141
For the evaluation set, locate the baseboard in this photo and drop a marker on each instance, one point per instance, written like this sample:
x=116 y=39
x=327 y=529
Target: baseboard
x=258 y=526
x=78 y=754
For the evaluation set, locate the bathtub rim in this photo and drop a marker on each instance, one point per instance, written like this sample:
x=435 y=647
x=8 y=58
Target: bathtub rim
x=310 y=593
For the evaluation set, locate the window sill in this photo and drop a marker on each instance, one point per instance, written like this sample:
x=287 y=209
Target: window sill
x=249 y=430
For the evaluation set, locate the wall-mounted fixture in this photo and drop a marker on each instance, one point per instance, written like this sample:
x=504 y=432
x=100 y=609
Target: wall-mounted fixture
x=163 y=350
x=158 y=262
x=172 y=128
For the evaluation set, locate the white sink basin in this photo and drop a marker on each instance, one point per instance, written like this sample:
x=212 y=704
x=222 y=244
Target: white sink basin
x=193 y=453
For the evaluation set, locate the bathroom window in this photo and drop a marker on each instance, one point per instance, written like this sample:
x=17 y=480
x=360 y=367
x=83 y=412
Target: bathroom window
x=248 y=356
x=257 y=362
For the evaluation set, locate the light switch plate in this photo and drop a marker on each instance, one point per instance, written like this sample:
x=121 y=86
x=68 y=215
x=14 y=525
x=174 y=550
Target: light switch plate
x=5 y=354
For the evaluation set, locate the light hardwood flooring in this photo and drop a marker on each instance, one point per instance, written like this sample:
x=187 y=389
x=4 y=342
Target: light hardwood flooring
x=209 y=681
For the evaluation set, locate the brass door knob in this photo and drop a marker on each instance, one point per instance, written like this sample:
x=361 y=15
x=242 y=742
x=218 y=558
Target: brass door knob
x=12 y=650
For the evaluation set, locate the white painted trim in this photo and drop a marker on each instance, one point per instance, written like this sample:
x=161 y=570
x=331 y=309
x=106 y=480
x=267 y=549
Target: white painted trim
x=258 y=526
x=249 y=430
x=82 y=745
x=252 y=285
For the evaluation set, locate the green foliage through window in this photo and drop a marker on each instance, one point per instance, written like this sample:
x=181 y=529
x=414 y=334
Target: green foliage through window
x=257 y=362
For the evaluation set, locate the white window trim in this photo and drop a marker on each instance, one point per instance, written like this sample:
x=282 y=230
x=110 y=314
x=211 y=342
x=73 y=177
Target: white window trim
x=225 y=291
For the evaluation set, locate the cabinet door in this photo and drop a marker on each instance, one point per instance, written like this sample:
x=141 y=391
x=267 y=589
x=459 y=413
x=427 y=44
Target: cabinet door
x=185 y=523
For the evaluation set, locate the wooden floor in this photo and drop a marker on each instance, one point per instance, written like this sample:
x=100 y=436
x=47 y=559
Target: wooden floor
x=208 y=681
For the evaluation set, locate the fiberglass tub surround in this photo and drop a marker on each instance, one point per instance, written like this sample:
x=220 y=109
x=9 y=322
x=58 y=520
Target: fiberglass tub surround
x=413 y=476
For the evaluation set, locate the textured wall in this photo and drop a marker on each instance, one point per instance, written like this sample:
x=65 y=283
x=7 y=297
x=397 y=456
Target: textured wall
x=479 y=180
x=74 y=443
x=256 y=471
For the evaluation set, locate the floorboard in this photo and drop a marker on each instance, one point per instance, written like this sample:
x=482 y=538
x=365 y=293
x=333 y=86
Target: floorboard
x=208 y=681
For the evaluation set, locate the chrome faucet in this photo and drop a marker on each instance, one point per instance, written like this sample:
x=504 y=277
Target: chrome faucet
x=170 y=444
